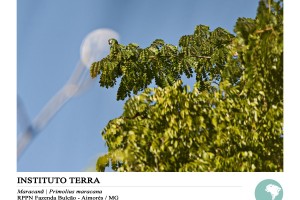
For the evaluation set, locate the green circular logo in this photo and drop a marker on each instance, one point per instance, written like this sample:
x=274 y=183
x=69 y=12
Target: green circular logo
x=268 y=190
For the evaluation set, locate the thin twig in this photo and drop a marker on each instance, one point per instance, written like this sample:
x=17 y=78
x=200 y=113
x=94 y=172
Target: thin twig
x=267 y=29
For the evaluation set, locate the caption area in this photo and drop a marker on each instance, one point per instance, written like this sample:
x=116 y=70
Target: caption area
x=125 y=186
x=49 y=188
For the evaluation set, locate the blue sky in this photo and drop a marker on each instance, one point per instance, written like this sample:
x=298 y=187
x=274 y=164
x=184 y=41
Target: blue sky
x=49 y=35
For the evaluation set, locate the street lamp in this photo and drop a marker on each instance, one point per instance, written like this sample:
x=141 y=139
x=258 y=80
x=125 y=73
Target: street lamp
x=93 y=48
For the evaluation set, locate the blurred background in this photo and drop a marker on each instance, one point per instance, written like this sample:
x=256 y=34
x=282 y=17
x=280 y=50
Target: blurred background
x=49 y=37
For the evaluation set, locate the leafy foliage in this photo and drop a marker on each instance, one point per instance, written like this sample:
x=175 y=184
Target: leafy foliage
x=204 y=52
x=232 y=119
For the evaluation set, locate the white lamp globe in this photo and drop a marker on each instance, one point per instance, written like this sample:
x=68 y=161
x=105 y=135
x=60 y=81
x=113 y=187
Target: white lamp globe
x=95 y=45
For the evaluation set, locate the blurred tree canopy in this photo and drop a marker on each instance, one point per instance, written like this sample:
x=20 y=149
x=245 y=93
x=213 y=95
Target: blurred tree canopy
x=232 y=118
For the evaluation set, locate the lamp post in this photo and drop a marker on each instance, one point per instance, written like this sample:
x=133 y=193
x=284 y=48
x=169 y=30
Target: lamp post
x=93 y=48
